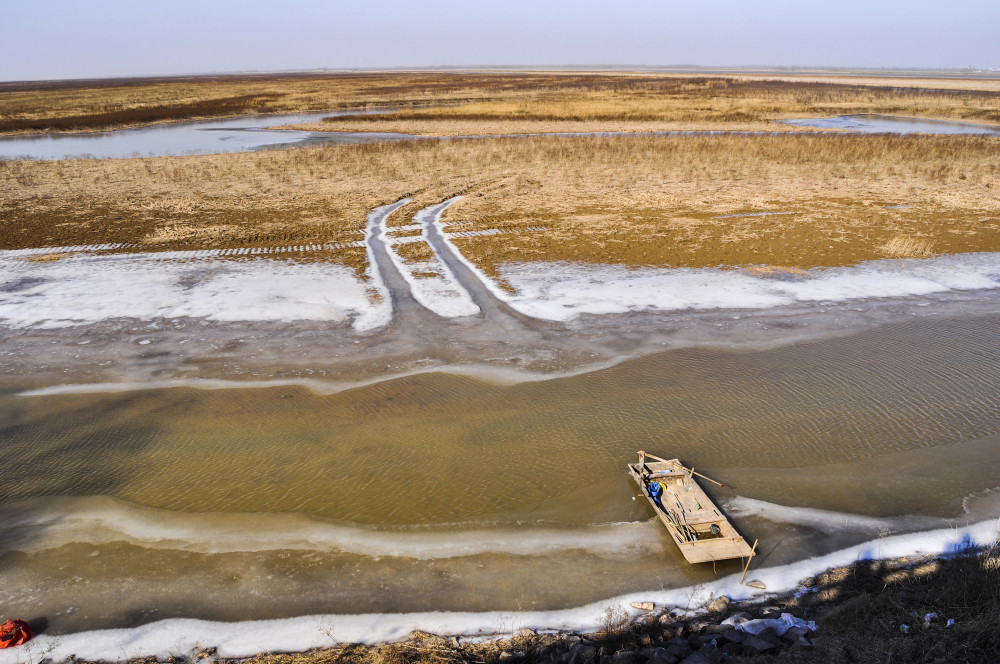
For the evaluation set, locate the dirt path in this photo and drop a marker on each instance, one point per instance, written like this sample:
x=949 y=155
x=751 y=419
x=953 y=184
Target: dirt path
x=497 y=312
x=406 y=311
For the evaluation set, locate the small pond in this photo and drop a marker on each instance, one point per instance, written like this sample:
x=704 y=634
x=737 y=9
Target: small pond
x=889 y=124
x=248 y=133
x=241 y=134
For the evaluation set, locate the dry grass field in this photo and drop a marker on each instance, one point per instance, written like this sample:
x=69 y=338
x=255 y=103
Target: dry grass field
x=652 y=103
x=639 y=200
x=495 y=102
x=795 y=200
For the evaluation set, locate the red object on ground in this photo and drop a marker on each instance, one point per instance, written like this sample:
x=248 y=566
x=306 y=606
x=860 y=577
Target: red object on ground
x=14 y=633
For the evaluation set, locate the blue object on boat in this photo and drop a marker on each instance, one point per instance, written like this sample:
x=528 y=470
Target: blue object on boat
x=655 y=491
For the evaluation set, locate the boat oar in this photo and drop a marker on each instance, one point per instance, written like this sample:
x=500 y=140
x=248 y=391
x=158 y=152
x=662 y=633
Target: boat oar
x=748 y=562
x=704 y=477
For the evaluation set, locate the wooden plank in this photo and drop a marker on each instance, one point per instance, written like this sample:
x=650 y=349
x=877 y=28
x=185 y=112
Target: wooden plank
x=691 y=507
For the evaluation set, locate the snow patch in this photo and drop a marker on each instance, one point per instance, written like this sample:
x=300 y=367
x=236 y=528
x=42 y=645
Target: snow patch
x=86 y=288
x=180 y=637
x=562 y=291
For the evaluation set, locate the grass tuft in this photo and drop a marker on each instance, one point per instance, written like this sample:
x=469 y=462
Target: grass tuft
x=907 y=247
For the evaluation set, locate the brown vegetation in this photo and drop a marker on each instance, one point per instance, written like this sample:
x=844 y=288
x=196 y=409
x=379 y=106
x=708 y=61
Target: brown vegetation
x=659 y=201
x=650 y=103
x=683 y=202
x=479 y=102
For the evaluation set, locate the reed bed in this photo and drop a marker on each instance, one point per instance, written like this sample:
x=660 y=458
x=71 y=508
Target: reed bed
x=661 y=201
x=483 y=97
x=681 y=104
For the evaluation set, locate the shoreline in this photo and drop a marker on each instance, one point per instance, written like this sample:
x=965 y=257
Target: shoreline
x=795 y=585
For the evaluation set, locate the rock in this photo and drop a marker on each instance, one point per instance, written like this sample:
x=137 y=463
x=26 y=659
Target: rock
x=730 y=649
x=453 y=641
x=741 y=614
x=755 y=645
x=646 y=620
x=770 y=635
x=716 y=628
x=756 y=584
x=662 y=656
x=672 y=629
x=627 y=658
x=643 y=606
x=580 y=654
x=525 y=632
x=796 y=634
x=696 y=657
x=703 y=627
x=679 y=648
x=718 y=605
x=506 y=656
x=770 y=612
x=733 y=636
x=572 y=638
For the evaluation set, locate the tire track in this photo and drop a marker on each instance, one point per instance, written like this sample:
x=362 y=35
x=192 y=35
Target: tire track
x=494 y=310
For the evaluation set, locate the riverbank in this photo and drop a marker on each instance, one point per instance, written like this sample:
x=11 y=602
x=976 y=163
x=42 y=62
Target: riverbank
x=916 y=608
x=906 y=609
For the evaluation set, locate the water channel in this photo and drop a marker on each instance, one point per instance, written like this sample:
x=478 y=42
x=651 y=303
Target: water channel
x=249 y=133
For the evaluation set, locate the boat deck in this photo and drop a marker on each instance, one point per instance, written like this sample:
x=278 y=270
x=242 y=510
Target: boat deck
x=699 y=529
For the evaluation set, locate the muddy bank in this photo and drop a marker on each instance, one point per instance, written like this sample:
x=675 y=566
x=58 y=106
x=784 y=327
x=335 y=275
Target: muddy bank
x=926 y=608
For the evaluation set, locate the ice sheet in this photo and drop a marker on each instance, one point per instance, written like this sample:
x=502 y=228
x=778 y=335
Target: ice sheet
x=101 y=520
x=562 y=291
x=86 y=288
x=181 y=637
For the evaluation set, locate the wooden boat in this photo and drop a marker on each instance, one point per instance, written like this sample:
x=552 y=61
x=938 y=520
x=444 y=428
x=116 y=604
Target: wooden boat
x=701 y=531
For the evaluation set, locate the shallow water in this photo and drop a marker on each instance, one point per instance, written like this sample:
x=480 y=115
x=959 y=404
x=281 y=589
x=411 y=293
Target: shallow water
x=438 y=491
x=888 y=124
x=168 y=462
x=249 y=133
x=241 y=134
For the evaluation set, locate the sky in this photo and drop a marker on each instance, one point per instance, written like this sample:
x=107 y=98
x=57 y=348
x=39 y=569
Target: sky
x=56 y=39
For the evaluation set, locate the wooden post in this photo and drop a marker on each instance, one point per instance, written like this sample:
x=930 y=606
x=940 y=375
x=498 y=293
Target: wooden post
x=752 y=549
x=642 y=462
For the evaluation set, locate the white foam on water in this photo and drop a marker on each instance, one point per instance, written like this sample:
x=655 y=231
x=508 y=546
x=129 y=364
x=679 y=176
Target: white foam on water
x=562 y=291
x=84 y=288
x=55 y=522
x=181 y=637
